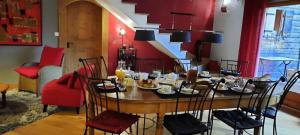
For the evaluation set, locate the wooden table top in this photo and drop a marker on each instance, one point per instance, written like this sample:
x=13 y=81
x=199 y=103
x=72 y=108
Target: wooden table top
x=138 y=95
x=3 y=87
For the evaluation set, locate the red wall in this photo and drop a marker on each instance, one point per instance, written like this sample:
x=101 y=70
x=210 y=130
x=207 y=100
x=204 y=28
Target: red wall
x=144 y=49
x=159 y=12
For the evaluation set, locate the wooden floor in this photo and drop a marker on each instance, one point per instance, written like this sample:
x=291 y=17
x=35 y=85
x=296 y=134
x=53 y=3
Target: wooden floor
x=68 y=123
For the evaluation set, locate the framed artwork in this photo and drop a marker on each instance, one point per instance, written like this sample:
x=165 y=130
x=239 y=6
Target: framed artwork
x=20 y=22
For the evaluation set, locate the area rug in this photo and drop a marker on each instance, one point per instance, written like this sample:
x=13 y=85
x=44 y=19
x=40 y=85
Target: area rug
x=22 y=108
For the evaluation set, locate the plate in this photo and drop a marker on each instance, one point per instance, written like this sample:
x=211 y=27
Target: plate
x=147 y=88
x=222 y=88
x=161 y=91
x=239 y=89
x=204 y=76
x=106 y=84
x=188 y=91
x=167 y=82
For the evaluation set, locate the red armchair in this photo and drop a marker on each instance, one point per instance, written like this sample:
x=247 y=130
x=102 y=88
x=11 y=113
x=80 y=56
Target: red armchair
x=65 y=91
x=33 y=76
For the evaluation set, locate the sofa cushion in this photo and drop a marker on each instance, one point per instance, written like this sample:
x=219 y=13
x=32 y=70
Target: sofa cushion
x=29 y=71
x=51 y=56
x=64 y=79
x=54 y=93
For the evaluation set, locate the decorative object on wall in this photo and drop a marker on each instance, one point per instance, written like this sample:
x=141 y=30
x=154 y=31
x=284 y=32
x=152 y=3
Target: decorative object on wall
x=224 y=6
x=144 y=35
x=122 y=33
x=20 y=22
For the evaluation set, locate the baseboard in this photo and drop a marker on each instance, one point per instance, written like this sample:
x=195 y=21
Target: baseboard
x=290 y=110
x=291 y=104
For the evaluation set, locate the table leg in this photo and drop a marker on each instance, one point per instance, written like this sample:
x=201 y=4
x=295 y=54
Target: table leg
x=159 y=124
x=3 y=99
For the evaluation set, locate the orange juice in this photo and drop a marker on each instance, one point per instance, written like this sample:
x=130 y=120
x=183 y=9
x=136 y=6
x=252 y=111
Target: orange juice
x=120 y=74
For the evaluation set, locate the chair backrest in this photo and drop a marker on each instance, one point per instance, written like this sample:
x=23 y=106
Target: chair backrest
x=234 y=66
x=97 y=95
x=264 y=96
x=94 y=67
x=150 y=64
x=290 y=83
x=197 y=102
x=51 y=56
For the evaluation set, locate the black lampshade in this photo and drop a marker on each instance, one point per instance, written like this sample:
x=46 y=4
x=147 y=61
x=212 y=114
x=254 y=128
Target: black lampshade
x=181 y=36
x=216 y=38
x=144 y=35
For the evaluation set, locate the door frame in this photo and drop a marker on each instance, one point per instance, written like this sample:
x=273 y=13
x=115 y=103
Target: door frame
x=63 y=4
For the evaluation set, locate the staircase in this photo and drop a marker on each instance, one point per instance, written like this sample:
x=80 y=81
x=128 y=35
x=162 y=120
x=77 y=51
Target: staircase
x=126 y=13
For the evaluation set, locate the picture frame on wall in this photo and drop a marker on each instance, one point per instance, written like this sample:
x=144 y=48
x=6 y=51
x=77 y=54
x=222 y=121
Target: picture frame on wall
x=20 y=23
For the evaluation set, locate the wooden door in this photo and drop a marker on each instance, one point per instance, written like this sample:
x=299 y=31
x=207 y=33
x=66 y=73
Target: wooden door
x=80 y=31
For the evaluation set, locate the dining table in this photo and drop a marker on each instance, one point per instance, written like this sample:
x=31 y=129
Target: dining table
x=136 y=100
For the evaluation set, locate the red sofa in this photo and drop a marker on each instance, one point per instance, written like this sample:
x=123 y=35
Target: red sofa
x=65 y=91
x=33 y=76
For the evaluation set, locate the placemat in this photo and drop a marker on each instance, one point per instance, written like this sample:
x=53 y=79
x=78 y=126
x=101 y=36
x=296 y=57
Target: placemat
x=230 y=92
x=173 y=96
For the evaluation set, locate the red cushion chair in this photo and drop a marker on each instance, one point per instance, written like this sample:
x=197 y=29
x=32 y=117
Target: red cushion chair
x=59 y=92
x=33 y=76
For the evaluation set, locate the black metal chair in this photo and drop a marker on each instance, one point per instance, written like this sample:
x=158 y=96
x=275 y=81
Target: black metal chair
x=233 y=67
x=104 y=119
x=94 y=66
x=271 y=111
x=237 y=118
x=190 y=121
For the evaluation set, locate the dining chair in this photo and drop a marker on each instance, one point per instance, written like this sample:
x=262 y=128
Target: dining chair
x=100 y=117
x=262 y=88
x=233 y=67
x=237 y=118
x=95 y=67
x=271 y=111
x=190 y=121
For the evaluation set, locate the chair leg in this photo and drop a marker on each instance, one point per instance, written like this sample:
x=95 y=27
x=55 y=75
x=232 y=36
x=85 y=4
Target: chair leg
x=45 y=108
x=77 y=110
x=85 y=130
x=240 y=132
x=263 y=127
x=211 y=124
x=274 y=127
x=144 y=126
x=137 y=127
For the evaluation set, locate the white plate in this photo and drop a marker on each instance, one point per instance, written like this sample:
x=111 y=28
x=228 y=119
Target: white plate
x=189 y=91
x=109 y=84
x=160 y=91
x=205 y=75
x=223 y=88
x=239 y=89
x=141 y=87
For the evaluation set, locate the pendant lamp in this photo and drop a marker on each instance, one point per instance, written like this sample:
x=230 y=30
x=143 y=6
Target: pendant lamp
x=181 y=36
x=144 y=35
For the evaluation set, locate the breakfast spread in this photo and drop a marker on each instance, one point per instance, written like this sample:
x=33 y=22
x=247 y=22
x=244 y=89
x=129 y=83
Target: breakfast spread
x=147 y=84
